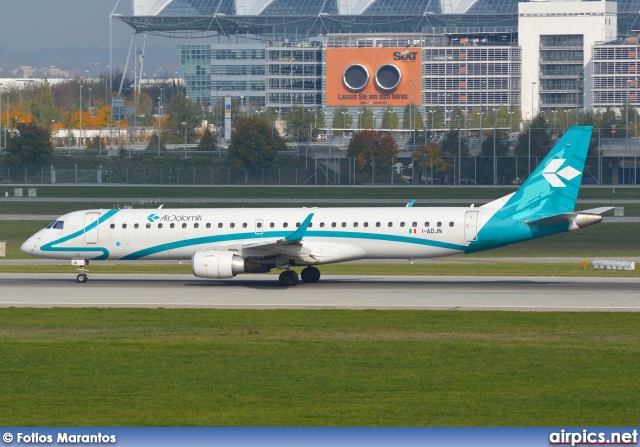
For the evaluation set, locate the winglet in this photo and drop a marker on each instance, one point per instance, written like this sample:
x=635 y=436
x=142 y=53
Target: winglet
x=302 y=229
x=410 y=204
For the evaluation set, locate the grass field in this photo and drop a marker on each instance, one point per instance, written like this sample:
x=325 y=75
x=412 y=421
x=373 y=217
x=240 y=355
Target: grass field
x=142 y=367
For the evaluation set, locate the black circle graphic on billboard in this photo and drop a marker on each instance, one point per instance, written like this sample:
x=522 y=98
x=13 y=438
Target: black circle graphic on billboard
x=355 y=77
x=388 y=77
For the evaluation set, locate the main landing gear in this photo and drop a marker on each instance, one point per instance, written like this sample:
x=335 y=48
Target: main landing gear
x=310 y=274
x=290 y=278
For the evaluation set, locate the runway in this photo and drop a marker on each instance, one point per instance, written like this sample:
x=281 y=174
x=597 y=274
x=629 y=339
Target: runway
x=332 y=292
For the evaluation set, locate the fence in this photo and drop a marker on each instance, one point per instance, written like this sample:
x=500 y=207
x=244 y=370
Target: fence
x=472 y=170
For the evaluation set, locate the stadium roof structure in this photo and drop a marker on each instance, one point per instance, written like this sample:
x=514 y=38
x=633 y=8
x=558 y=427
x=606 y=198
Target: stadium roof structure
x=313 y=17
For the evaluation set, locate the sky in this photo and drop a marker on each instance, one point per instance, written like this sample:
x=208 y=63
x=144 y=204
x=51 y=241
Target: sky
x=35 y=24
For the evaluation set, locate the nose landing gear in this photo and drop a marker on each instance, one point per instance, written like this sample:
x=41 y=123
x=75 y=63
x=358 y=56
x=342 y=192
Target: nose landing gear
x=82 y=276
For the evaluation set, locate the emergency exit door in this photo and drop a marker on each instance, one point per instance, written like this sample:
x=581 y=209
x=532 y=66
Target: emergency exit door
x=471 y=226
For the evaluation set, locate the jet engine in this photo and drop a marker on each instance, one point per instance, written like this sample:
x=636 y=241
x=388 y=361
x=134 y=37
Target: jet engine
x=216 y=264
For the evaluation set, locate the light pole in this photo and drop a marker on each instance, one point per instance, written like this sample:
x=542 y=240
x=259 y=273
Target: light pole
x=360 y=112
x=159 y=121
x=579 y=85
x=433 y=117
x=90 y=108
x=344 y=122
x=0 y=116
x=80 y=138
x=532 y=104
x=459 y=152
x=185 y=140
x=567 y=115
x=554 y=118
x=495 y=163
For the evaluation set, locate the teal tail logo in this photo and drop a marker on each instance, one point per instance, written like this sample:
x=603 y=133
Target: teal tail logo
x=152 y=217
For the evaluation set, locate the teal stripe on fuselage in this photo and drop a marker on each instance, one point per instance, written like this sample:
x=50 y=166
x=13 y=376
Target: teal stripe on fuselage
x=105 y=253
x=282 y=234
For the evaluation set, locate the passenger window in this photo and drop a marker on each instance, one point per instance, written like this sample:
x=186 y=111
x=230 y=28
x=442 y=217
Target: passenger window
x=59 y=225
x=112 y=226
x=232 y=225
x=366 y=224
x=136 y=226
x=344 y=224
x=124 y=226
x=208 y=225
x=172 y=225
x=402 y=224
x=321 y=224
x=426 y=224
x=159 y=225
x=415 y=224
x=272 y=225
x=310 y=224
x=184 y=225
x=148 y=225
x=333 y=224
x=390 y=224
x=220 y=225
x=451 y=224
x=285 y=225
x=195 y=225
x=355 y=225
x=297 y=224
x=244 y=225
x=377 y=224
x=259 y=225
x=439 y=224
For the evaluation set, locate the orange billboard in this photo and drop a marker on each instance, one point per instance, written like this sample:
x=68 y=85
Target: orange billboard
x=372 y=76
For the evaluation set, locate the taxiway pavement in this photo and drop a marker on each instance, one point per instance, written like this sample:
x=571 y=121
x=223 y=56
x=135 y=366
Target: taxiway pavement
x=333 y=291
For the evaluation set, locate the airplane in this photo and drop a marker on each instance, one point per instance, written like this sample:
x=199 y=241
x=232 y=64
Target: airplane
x=222 y=243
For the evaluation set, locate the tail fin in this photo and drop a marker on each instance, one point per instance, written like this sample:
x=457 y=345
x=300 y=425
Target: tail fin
x=553 y=186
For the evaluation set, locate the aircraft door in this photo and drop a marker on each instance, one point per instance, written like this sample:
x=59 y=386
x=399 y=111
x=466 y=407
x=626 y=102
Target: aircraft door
x=471 y=226
x=91 y=235
x=259 y=226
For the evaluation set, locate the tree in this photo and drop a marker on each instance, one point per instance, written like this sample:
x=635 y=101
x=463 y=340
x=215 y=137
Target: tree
x=341 y=120
x=430 y=157
x=451 y=145
x=365 y=116
x=43 y=108
x=298 y=123
x=540 y=138
x=181 y=110
x=412 y=118
x=254 y=144
x=368 y=147
x=207 y=142
x=389 y=119
x=153 y=143
x=505 y=168
x=29 y=144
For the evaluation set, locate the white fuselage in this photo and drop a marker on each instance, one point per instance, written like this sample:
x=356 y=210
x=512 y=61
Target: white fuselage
x=334 y=234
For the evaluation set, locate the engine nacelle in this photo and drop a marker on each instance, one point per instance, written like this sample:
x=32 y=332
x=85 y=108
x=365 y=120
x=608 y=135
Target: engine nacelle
x=215 y=264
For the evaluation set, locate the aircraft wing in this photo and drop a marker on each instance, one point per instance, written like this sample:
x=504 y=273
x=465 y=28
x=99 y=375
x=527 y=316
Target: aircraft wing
x=290 y=246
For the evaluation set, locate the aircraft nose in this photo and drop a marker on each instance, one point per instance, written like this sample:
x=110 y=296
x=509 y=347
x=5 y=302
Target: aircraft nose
x=29 y=246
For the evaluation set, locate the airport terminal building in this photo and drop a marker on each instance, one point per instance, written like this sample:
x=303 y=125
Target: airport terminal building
x=439 y=54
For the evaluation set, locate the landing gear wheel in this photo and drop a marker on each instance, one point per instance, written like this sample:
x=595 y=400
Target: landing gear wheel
x=82 y=278
x=310 y=274
x=288 y=278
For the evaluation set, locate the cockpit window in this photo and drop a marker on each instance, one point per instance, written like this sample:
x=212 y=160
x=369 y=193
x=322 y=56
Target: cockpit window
x=51 y=224
x=59 y=225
